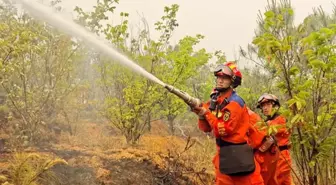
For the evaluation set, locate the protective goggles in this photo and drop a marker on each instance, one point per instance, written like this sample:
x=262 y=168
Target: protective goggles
x=222 y=70
x=266 y=97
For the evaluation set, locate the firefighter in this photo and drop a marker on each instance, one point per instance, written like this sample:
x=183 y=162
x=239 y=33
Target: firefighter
x=226 y=115
x=265 y=151
x=269 y=104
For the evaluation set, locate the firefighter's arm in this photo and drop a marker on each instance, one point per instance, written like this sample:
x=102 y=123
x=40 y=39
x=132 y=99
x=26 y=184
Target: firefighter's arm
x=229 y=123
x=280 y=123
x=206 y=121
x=204 y=125
x=255 y=137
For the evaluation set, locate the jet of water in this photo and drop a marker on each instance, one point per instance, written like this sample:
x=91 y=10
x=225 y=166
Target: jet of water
x=68 y=26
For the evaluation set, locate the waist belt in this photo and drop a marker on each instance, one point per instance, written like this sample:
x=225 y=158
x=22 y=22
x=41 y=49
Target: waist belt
x=221 y=143
x=284 y=147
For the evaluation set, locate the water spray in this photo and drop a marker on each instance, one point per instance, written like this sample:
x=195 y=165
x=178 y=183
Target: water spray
x=47 y=14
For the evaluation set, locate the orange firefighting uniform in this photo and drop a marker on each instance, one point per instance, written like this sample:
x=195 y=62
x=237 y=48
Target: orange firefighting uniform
x=267 y=160
x=283 y=171
x=231 y=125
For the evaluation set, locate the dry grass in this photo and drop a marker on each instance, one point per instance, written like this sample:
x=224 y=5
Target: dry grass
x=101 y=137
x=161 y=150
x=91 y=135
x=101 y=154
x=199 y=156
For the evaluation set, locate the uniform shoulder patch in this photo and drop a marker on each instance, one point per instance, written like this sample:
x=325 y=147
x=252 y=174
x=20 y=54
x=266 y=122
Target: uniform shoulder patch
x=226 y=115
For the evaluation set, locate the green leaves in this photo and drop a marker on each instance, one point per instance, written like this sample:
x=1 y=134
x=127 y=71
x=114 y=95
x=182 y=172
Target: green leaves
x=317 y=63
x=36 y=72
x=269 y=14
x=304 y=58
x=132 y=101
x=294 y=70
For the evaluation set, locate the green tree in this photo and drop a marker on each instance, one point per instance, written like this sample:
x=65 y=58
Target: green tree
x=131 y=101
x=181 y=64
x=36 y=70
x=303 y=58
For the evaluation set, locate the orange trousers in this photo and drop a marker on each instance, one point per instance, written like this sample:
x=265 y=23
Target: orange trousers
x=251 y=179
x=268 y=166
x=283 y=168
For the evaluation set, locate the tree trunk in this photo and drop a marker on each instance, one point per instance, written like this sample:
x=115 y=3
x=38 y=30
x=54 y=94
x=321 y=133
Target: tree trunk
x=171 y=124
x=171 y=127
x=132 y=138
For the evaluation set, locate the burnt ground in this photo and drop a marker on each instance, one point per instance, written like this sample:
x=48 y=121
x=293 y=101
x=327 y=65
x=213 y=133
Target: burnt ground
x=119 y=167
x=98 y=160
x=112 y=168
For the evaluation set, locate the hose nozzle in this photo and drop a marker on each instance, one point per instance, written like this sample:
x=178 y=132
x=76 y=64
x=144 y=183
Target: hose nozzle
x=191 y=101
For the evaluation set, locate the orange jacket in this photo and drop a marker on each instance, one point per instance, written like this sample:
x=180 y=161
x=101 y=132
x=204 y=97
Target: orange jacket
x=255 y=135
x=283 y=133
x=232 y=122
x=266 y=160
x=231 y=125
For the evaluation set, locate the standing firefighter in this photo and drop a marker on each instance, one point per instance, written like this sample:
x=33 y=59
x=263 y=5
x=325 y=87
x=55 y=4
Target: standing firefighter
x=227 y=117
x=265 y=151
x=269 y=104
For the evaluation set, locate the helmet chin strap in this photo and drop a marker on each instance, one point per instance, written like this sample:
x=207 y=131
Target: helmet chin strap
x=221 y=89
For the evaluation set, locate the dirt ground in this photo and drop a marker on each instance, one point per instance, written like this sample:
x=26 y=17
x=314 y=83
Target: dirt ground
x=95 y=157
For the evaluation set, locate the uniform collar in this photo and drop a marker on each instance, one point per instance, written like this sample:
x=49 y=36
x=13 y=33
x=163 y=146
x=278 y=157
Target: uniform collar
x=225 y=95
x=275 y=115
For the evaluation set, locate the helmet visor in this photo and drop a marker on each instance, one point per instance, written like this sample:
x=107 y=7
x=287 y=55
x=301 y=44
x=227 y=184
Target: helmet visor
x=222 y=70
x=266 y=97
